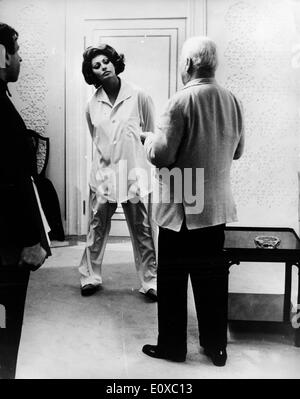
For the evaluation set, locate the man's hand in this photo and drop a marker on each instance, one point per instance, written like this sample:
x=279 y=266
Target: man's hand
x=32 y=257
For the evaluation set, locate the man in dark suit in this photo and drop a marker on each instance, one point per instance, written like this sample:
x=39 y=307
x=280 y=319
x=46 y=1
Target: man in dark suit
x=23 y=242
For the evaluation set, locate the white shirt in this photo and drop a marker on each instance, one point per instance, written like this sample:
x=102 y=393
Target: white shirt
x=120 y=169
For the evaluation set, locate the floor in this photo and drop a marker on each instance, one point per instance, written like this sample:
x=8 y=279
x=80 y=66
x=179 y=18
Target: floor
x=67 y=336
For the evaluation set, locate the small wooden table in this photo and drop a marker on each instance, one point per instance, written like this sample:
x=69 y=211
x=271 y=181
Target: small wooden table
x=240 y=247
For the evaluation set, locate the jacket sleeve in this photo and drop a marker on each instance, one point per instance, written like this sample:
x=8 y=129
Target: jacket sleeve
x=162 y=146
x=20 y=215
x=147 y=112
x=240 y=147
x=31 y=218
x=241 y=144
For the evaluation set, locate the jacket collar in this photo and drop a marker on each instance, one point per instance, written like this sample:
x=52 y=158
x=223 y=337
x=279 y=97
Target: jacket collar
x=4 y=90
x=200 y=81
x=125 y=92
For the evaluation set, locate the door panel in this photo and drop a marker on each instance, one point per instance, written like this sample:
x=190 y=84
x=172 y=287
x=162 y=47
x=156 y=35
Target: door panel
x=141 y=53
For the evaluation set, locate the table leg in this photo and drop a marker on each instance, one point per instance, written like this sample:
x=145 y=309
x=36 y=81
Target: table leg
x=287 y=292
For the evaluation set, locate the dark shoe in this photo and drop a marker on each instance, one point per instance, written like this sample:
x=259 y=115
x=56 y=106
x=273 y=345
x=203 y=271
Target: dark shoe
x=218 y=356
x=89 y=289
x=153 y=351
x=151 y=294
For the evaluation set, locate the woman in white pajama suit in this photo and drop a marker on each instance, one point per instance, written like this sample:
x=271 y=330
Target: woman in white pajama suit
x=116 y=114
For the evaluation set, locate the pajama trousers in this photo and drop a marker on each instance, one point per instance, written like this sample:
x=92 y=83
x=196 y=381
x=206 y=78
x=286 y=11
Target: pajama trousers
x=140 y=229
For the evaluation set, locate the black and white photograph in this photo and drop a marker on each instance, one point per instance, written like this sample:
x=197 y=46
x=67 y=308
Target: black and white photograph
x=149 y=192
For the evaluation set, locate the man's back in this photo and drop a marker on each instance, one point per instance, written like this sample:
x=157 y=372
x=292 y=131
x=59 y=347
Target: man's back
x=18 y=207
x=200 y=129
x=213 y=125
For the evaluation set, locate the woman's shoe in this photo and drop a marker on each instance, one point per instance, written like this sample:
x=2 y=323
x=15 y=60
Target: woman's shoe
x=89 y=289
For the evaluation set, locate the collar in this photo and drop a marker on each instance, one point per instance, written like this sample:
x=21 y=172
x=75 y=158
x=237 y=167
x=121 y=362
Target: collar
x=125 y=92
x=200 y=81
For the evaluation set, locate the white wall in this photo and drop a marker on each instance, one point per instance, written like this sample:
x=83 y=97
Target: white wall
x=255 y=41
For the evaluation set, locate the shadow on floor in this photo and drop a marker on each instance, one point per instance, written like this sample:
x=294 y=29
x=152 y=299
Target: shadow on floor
x=272 y=332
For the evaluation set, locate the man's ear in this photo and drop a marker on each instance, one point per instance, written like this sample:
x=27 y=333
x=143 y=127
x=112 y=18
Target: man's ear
x=189 y=66
x=8 y=59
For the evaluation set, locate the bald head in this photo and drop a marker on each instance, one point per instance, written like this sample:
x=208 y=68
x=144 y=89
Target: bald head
x=198 y=58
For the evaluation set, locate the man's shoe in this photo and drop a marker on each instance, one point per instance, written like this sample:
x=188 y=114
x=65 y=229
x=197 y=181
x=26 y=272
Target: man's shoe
x=218 y=356
x=153 y=351
x=151 y=294
x=89 y=289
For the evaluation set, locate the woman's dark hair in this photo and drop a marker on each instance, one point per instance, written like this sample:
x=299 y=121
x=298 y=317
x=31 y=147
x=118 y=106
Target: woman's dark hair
x=92 y=52
x=8 y=37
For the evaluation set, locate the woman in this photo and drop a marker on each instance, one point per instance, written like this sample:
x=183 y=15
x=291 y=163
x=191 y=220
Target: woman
x=117 y=114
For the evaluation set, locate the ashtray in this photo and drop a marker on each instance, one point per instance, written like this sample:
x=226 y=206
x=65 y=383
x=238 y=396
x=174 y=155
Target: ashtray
x=267 y=242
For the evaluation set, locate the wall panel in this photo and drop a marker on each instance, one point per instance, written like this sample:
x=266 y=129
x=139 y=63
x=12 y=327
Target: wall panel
x=39 y=94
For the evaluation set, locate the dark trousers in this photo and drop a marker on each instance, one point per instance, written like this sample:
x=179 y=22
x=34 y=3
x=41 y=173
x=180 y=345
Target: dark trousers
x=13 y=288
x=198 y=254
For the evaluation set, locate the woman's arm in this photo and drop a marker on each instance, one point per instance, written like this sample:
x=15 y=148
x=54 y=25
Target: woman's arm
x=89 y=121
x=162 y=146
x=147 y=112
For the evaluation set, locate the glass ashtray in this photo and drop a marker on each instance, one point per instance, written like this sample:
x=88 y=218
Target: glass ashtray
x=266 y=242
